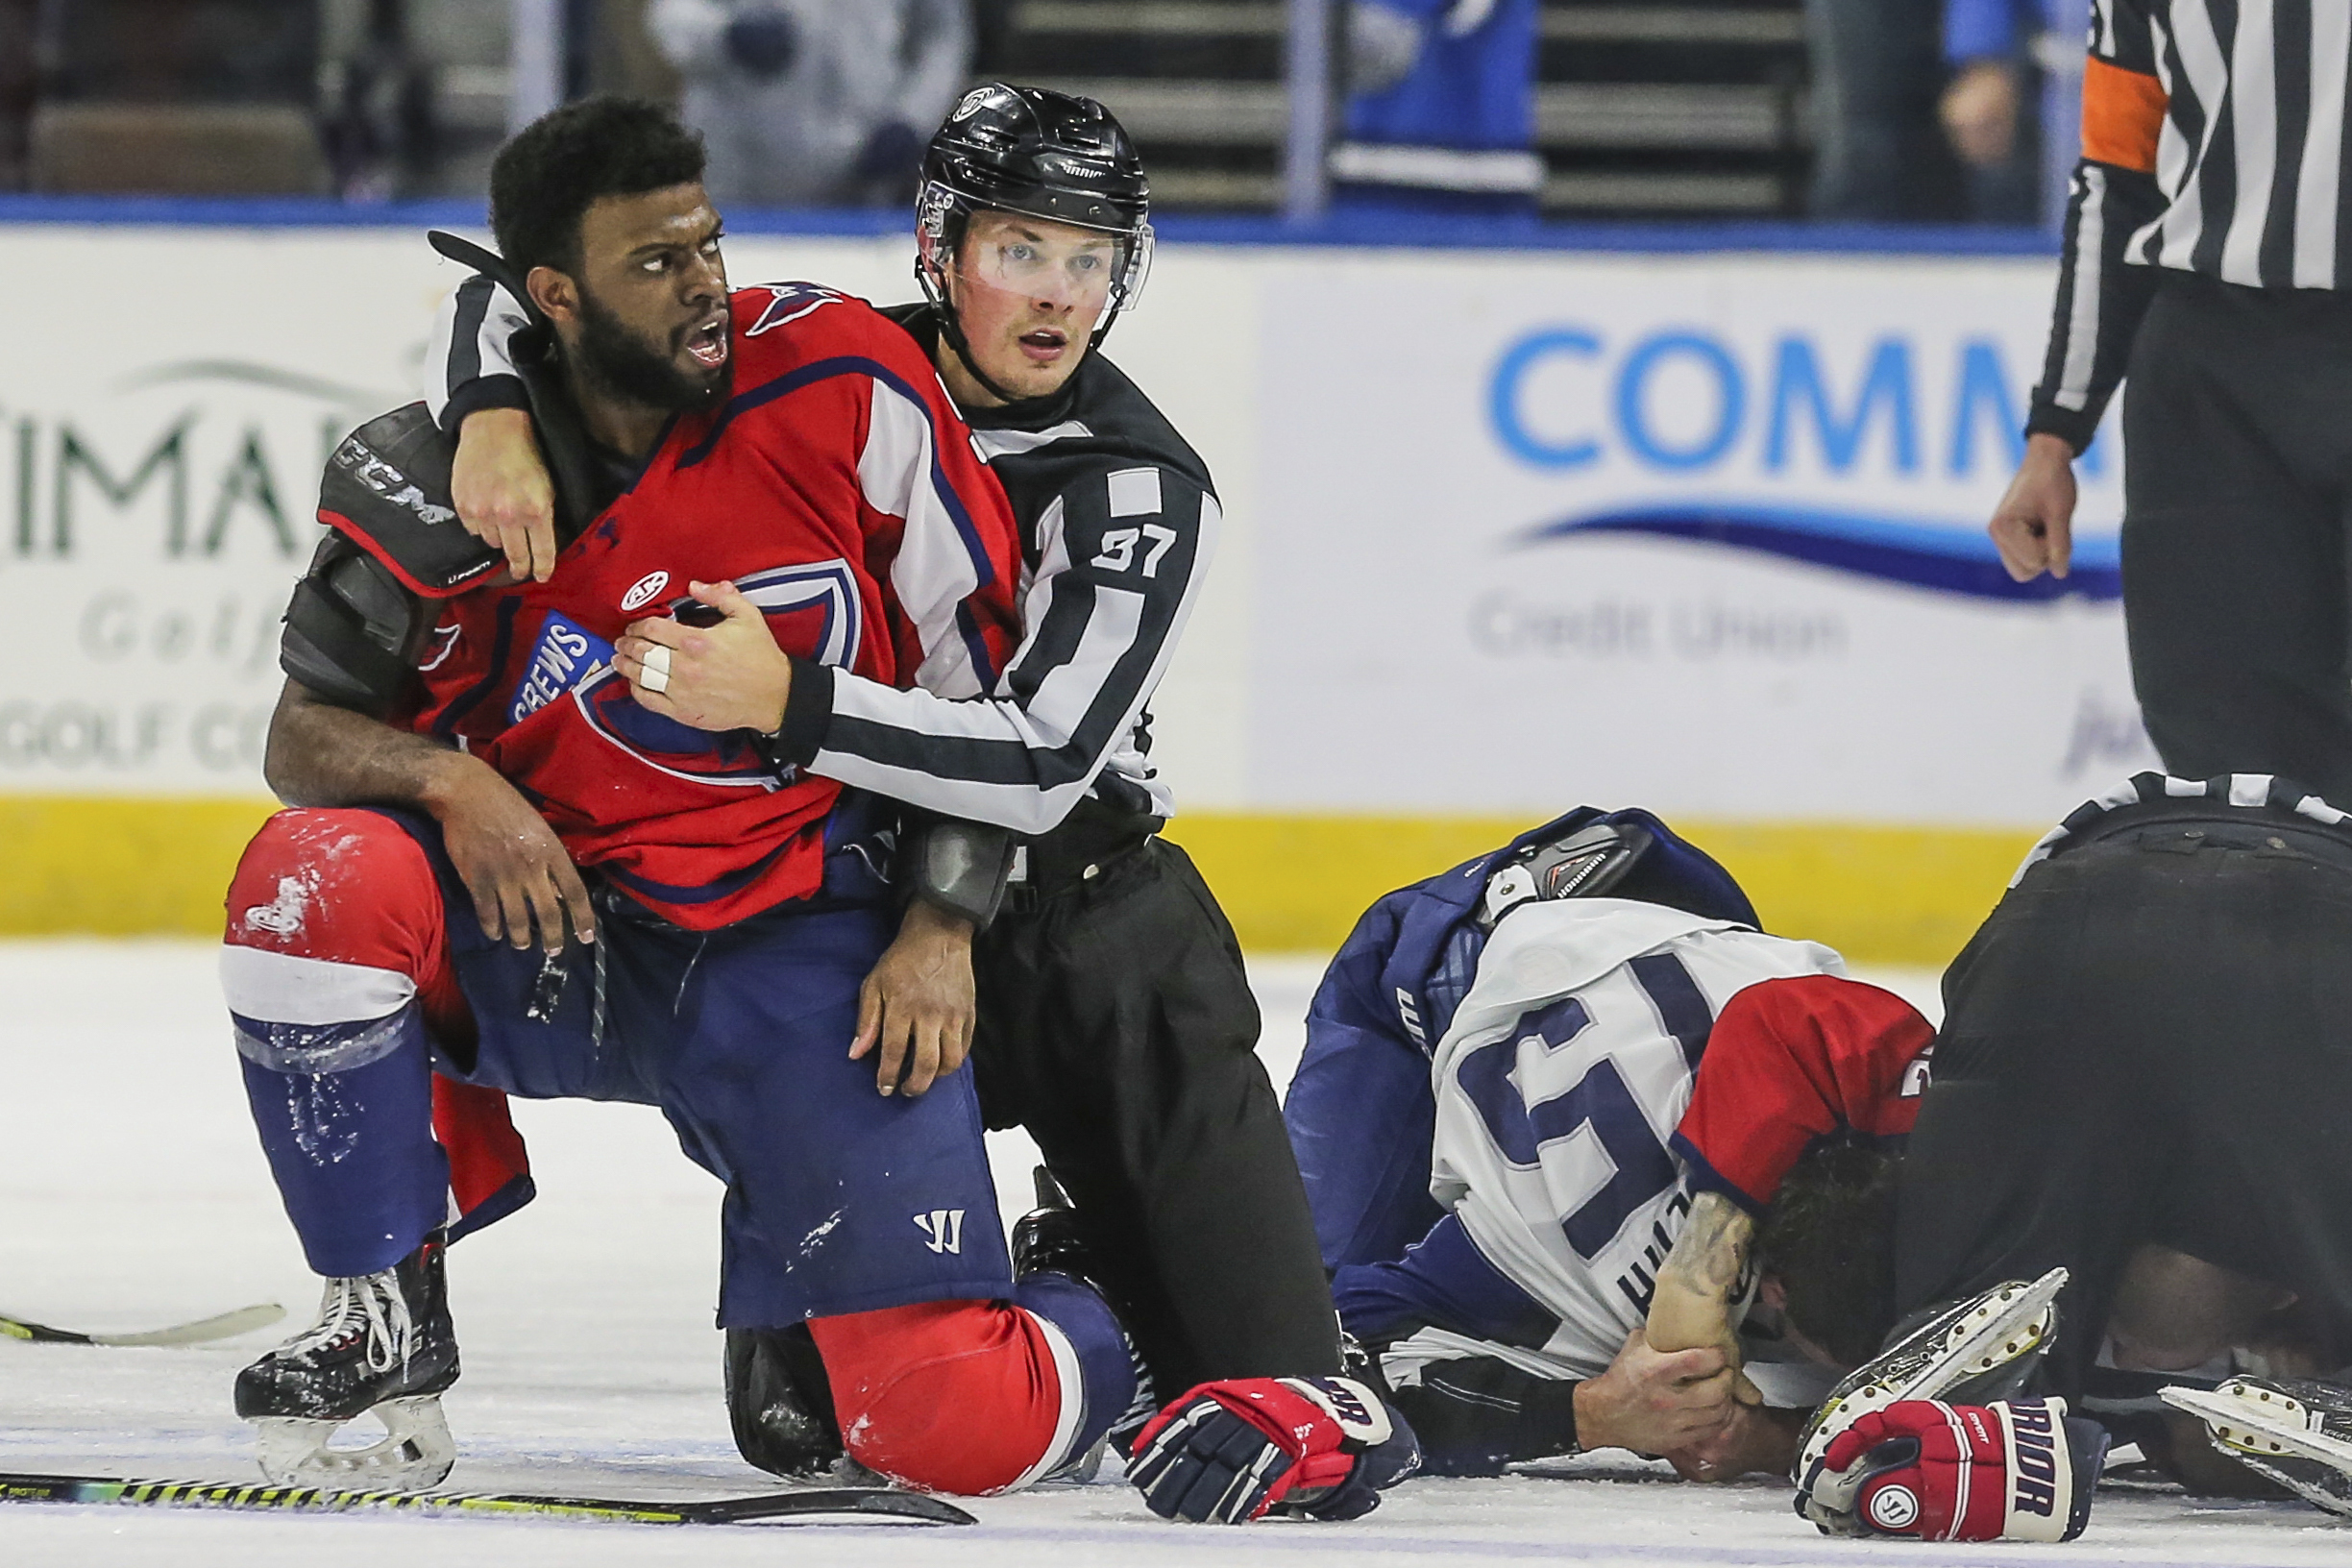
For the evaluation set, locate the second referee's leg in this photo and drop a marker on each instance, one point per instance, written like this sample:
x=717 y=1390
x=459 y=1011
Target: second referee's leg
x=2234 y=560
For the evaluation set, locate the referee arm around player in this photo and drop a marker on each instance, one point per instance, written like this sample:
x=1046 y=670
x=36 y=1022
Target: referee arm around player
x=2205 y=258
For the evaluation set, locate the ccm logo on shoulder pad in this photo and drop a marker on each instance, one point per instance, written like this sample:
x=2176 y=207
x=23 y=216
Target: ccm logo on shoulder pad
x=388 y=481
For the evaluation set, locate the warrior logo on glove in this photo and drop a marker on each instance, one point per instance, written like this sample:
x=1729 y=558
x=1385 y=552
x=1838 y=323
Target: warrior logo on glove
x=1894 y=1508
x=2018 y=1470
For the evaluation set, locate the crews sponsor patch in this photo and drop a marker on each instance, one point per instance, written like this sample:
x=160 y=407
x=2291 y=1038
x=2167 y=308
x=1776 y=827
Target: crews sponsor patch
x=565 y=653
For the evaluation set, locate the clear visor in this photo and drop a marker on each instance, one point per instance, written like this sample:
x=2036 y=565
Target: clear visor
x=1037 y=259
x=1052 y=263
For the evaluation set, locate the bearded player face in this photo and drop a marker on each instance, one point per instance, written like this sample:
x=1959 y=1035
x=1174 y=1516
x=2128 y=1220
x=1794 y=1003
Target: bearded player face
x=651 y=318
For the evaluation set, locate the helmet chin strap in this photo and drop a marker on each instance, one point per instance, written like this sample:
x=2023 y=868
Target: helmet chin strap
x=951 y=331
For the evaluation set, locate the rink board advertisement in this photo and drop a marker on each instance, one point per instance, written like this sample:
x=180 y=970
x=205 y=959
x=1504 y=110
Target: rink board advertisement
x=1705 y=532
x=1506 y=532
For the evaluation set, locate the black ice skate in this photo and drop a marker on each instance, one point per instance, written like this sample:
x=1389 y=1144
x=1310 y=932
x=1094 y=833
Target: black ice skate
x=1047 y=1241
x=780 y=1403
x=1971 y=1352
x=2295 y=1430
x=382 y=1344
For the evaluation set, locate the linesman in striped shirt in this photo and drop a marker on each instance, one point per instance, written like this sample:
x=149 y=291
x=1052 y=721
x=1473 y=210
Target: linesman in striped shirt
x=2205 y=258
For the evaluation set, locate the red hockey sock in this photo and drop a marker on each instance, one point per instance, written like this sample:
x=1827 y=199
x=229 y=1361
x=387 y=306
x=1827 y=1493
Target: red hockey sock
x=351 y=886
x=345 y=886
x=961 y=1397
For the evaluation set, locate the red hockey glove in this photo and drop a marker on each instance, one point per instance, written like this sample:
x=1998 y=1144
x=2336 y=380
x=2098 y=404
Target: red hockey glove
x=2018 y=1470
x=1230 y=1451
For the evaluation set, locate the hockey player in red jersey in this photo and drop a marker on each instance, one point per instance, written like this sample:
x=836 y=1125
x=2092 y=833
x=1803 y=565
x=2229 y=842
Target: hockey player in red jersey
x=500 y=868
x=1102 y=992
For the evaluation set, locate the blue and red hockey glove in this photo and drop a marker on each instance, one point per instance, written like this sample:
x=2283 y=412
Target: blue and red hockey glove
x=2016 y=1470
x=1230 y=1452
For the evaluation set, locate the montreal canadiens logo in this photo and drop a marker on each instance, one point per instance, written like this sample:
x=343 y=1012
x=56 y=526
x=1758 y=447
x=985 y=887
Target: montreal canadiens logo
x=1894 y=1508
x=643 y=591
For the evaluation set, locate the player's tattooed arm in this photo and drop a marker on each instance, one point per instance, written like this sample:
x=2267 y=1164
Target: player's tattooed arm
x=511 y=861
x=1700 y=1284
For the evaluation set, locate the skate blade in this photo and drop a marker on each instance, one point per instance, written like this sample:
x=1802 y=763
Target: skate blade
x=416 y=1450
x=2242 y=1419
x=2275 y=1435
x=2005 y=1323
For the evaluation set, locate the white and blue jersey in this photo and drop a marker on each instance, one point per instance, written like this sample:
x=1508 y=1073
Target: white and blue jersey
x=1559 y=1090
x=1485 y=1123
x=1359 y=1109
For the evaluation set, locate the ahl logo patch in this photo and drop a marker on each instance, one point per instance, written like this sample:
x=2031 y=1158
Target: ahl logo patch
x=1894 y=1508
x=565 y=653
x=643 y=591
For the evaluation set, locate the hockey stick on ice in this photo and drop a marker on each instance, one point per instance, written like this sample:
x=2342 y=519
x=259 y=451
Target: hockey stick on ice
x=204 y=1330
x=827 y=1503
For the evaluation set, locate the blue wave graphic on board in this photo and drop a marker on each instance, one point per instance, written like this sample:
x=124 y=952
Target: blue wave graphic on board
x=1919 y=554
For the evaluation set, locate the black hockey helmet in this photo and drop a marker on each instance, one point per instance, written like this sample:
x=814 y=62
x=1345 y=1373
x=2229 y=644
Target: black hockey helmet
x=1051 y=155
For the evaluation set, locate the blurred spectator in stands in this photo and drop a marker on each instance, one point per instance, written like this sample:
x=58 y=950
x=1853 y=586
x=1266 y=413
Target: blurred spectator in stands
x=17 y=82
x=377 y=111
x=815 y=102
x=2014 y=106
x=1878 y=156
x=1440 y=106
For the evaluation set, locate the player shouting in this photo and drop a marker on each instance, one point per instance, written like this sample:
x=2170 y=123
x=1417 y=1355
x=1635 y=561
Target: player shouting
x=1524 y=1077
x=1113 y=1018
x=460 y=750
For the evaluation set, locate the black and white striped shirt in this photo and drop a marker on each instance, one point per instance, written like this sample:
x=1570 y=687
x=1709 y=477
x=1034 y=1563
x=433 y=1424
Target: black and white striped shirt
x=2214 y=142
x=1119 y=523
x=2245 y=792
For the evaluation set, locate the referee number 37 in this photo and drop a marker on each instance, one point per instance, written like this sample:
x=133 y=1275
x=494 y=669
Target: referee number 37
x=1118 y=548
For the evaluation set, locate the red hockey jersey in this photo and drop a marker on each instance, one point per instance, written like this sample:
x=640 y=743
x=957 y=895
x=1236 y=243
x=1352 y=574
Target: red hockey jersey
x=839 y=490
x=1793 y=1060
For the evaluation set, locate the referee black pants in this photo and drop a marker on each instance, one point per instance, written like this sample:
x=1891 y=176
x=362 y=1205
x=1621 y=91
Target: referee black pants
x=2149 y=1040
x=1117 y=1024
x=2238 y=496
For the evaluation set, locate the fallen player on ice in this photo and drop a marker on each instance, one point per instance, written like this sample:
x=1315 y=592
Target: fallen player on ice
x=1554 y=983
x=1519 y=1077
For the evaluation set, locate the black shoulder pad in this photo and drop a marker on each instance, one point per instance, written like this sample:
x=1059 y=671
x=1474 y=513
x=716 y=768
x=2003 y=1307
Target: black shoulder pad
x=387 y=488
x=352 y=630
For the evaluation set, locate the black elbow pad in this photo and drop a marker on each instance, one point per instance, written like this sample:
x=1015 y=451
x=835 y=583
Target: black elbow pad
x=352 y=630
x=958 y=866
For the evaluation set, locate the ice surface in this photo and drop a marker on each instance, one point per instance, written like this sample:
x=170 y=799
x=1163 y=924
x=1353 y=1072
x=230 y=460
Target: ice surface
x=133 y=1194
